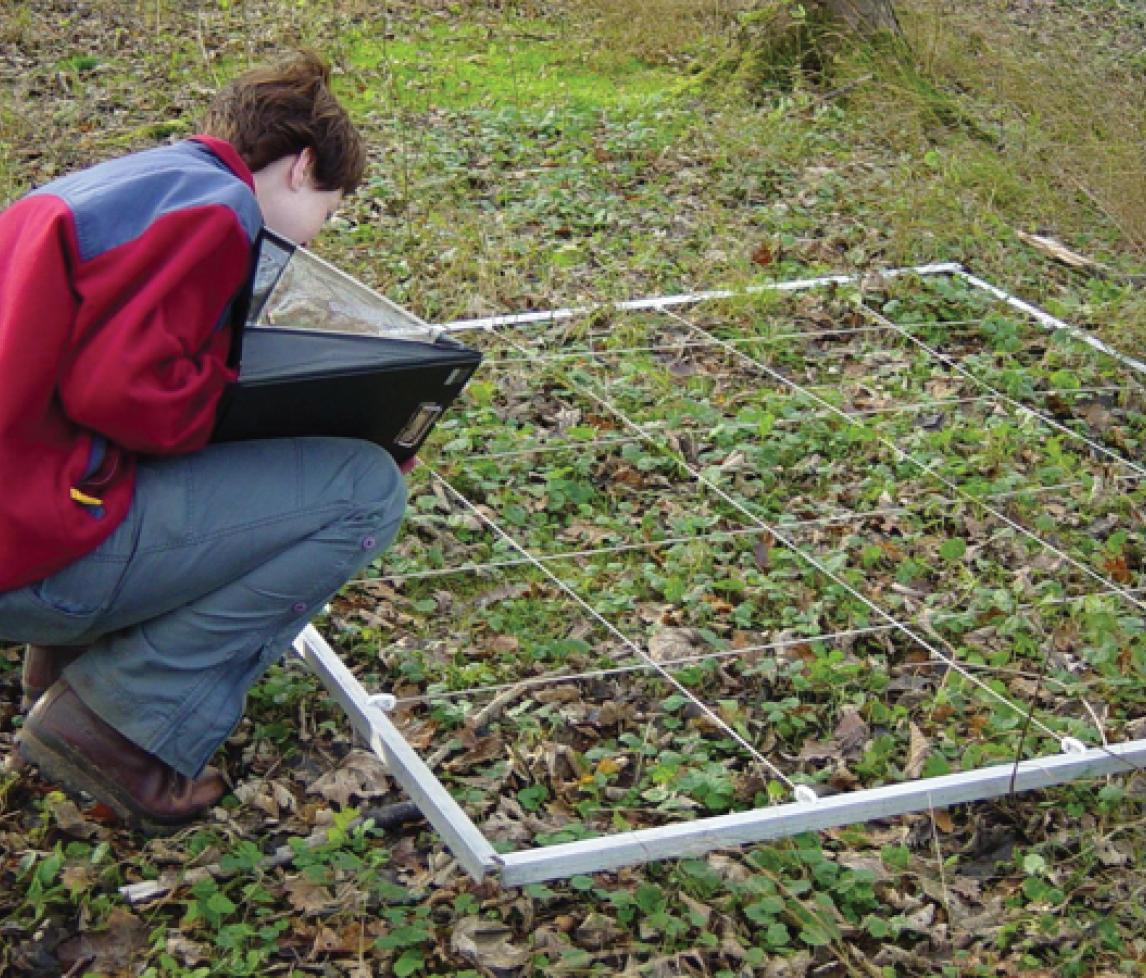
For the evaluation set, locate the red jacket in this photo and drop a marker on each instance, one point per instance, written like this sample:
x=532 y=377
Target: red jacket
x=116 y=285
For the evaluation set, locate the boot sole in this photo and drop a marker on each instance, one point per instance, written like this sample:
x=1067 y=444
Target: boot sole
x=67 y=768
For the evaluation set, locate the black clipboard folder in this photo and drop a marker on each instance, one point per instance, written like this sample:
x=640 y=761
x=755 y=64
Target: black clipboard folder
x=320 y=353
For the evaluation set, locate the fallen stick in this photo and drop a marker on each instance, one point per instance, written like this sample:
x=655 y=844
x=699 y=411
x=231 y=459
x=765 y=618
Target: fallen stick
x=481 y=719
x=386 y=817
x=1059 y=252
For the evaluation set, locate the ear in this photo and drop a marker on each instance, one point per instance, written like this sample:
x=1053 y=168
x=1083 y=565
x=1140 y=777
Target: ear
x=302 y=169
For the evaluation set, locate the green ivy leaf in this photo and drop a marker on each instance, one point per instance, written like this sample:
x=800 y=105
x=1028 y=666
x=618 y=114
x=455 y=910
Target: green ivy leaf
x=410 y=961
x=953 y=549
x=815 y=936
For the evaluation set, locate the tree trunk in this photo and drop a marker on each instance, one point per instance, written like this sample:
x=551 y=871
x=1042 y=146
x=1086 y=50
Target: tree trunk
x=865 y=17
x=782 y=43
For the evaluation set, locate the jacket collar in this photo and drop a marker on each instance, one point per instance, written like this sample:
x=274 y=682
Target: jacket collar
x=229 y=156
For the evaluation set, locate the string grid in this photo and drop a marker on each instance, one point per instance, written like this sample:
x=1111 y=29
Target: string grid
x=687 y=560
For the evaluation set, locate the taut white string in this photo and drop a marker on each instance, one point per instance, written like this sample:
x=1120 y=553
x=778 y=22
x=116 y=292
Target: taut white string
x=552 y=678
x=590 y=552
x=924 y=467
x=1005 y=398
x=777 y=535
x=618 y=634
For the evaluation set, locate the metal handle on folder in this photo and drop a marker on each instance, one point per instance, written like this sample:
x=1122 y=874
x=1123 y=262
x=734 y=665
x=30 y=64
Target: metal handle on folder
x=420 y=422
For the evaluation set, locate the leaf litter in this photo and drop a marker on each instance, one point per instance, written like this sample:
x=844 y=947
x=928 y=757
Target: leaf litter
x=363 y=899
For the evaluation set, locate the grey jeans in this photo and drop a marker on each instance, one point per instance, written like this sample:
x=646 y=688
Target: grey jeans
x=223 y=558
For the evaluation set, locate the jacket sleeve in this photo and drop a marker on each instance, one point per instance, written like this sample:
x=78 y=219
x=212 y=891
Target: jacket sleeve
x=147 y=362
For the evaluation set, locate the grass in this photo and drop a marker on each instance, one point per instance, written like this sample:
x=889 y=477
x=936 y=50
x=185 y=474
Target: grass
x=1039 y=134
x=525 y=64
x=1004 y=125
x=532 y=156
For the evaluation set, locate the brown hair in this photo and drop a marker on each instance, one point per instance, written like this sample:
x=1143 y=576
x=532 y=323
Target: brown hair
x=281 y=109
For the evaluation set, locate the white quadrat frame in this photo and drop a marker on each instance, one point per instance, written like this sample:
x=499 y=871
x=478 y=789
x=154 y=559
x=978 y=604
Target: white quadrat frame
x=807 y=812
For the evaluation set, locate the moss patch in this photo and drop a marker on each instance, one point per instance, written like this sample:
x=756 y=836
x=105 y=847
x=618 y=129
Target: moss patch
x=525 y=64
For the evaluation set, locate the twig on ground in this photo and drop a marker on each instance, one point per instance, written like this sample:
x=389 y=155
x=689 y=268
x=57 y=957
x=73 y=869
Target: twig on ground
x=386 y=817
x=480 y=720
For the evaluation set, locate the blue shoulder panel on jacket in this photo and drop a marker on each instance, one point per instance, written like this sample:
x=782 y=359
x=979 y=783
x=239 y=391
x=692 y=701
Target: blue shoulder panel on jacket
x=115 y=202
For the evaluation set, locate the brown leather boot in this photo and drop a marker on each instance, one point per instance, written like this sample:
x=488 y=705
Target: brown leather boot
x=80 y=752
x=43 y=665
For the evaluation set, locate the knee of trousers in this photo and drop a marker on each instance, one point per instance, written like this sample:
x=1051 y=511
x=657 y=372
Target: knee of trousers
x=379 y=490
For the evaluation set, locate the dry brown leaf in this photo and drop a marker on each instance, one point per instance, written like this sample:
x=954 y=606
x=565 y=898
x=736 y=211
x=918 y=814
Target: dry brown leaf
x=918 y=751
x=699 y=911
x=78 y=876
x=817 y=750
x=1097 y=417
x=1118 y=568
x=589 y=532
x=843 y=778
x=682 y=368
x=861 y=862
x=790 y=966
x=67 y=815
x=943 y=821
x=483 y=749
x=597 y=931
x=487 y=944
x=110 y=950
x=306 y=896
x=921 y=920
x=763 y=254
x=675 y=643
x=186 y=951
x=360 y=775
x=851 y=732
x=967 y=887
x=1114 y=853
x=504 y=643
x=271 y=797
x=330 y=941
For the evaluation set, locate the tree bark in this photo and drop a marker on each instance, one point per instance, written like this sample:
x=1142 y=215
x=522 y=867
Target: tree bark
x=781 y=43
x=865 y=17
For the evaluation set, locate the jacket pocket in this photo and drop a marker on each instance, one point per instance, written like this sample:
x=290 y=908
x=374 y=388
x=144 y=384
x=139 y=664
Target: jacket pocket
x=101 y=471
